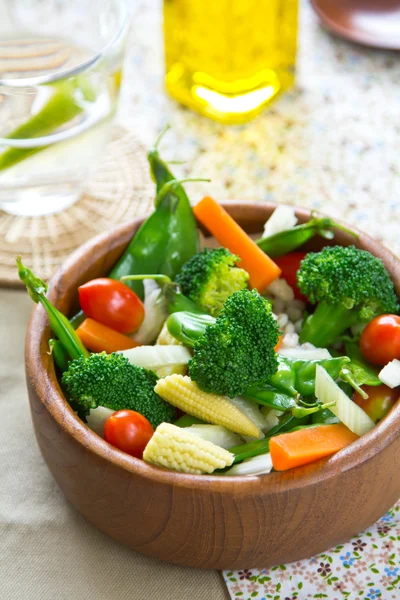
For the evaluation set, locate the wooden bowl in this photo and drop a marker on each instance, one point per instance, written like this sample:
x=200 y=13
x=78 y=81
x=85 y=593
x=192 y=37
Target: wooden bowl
x=205 y=521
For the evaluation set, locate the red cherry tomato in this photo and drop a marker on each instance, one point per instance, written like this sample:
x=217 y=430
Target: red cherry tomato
x=380 y=340
x=381 y=400
x=290 y=264
x=111 y=303
x=129 y=431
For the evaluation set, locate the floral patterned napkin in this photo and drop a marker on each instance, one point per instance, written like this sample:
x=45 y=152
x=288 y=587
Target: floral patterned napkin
x=367 y=567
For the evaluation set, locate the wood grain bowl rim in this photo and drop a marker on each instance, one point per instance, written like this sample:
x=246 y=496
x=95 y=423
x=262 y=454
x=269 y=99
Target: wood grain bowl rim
x=381 y=436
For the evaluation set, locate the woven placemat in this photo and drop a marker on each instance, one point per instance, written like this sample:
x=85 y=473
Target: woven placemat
x=120 y=189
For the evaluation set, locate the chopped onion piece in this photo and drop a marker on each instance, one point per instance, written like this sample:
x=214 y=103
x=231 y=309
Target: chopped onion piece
x=97 y=417
x=271 y=417
x=282 y=219
x=251 y=410
x=154 y=357
x=257 y=465
x=347 y=411
x=390 y=374
x=216 y=434
x=155 y=313
x=305 y=354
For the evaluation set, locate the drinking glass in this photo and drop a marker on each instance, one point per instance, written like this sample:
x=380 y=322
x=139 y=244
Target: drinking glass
x=60 y=74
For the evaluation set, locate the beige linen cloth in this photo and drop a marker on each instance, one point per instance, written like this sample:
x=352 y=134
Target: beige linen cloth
x=47 y=550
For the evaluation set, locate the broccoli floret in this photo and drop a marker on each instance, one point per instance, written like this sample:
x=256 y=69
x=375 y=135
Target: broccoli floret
x=349 y=286
x=210 y=277
x=110 y=380
x=238 y=350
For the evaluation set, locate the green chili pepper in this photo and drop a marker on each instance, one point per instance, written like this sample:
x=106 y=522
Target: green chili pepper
x=305 y=372
x=59 y=324
x=177 y=302
x=291 y=239
x=270 y=397
x=286 y=423
x=164 y=242
x=59 y=354
x=325 y=417
x=358 y=372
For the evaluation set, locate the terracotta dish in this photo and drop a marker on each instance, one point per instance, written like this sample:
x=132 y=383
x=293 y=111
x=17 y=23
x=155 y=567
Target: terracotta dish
x=370 y=22
x=205 y=521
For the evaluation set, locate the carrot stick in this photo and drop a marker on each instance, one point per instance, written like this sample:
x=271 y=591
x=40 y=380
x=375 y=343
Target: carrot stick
x=260 y=267
x=97 y=337
x=300 y=447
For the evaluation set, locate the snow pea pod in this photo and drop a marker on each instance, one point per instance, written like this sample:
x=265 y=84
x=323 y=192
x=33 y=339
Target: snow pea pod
x=177 y=302
x=159 y=169
x=305 y=372
x=188 y=327
x=77 y=319
x=358 y=372
x=59 y=324
x=270 y=397
x=284 y=378
x=146 y=250
x=182 y=231
x=59 y=354
x=324 y=417
x=164 y=242
x=291 y=239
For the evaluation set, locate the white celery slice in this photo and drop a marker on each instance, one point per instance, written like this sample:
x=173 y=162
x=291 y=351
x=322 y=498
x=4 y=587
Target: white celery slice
x=347 y=411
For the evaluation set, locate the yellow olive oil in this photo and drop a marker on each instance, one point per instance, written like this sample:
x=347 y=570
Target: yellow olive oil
x=228 y=59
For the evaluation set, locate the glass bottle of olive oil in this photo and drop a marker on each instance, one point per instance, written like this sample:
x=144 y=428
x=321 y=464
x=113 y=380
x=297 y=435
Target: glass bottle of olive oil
x=228 y=59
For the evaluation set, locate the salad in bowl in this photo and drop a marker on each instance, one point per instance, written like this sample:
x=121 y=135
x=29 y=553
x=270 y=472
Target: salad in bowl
x=231 y=354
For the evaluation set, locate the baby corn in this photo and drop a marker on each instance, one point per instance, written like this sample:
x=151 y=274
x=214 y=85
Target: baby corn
x=183 y=393
x=174 y=448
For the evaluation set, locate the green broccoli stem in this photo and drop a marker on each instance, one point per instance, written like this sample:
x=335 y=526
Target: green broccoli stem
x=327 y=322
x=59 y=324
x=177 y=302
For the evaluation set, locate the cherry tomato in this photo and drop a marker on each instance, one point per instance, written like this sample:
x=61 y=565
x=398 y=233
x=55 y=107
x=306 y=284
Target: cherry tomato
x=290 y=264
x=112 y=303
x=129 y=431
x=380 y=340
x=381 y=400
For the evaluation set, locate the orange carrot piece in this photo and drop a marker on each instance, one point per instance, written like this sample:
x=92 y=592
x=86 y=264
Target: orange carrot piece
x=300 y=447
x=260 y=267
x=279 y=344
x=97 y=337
